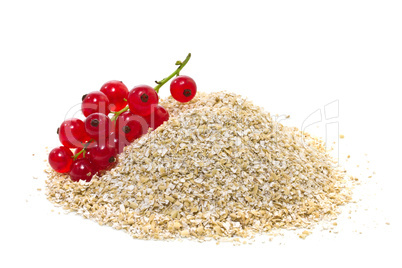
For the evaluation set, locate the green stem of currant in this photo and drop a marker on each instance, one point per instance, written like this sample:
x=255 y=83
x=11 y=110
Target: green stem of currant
x=177 y=72
x=82 y=151
x=158 y=86
x=116 y=114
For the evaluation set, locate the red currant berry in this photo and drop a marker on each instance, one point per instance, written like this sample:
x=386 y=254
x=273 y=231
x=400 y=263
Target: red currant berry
x=141 y=99
x=103 y=155
x=98 y=126
x=87 y=155
x=72 y=133
x=183 y=88
x=157 y=117
x=61 y=159
x=95 y=102
x=118 y=141
x=116 y=92
x=82 y=169
x=131 y=126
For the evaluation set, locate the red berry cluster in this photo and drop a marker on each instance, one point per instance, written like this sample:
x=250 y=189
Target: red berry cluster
x=115 y=117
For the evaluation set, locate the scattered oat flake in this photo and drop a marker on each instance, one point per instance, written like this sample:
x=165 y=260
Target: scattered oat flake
x=305 y=234
x=341 y=136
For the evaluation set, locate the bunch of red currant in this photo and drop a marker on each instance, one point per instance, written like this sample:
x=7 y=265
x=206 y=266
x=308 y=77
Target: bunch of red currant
x=115 y=117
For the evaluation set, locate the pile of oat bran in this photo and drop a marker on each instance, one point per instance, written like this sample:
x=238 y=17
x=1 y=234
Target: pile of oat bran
x=220 y=167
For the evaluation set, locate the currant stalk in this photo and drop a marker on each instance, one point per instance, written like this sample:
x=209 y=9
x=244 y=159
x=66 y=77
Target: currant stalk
x=177 y=73
x=160 y=83
x=116 y=114
x=83 y=150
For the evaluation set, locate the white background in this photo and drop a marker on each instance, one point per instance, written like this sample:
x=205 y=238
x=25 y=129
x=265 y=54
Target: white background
x=291 y=57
